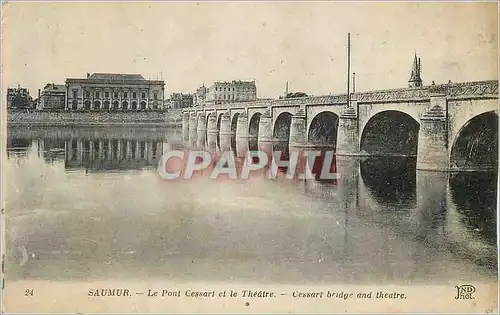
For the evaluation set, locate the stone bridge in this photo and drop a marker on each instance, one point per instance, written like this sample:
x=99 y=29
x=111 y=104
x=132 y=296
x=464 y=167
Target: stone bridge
x=447 y=127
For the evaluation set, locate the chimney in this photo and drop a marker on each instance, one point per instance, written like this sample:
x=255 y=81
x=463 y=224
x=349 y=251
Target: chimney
x=39 y=92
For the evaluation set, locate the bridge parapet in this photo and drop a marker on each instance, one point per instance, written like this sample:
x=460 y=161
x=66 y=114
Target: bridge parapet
x=464 y=90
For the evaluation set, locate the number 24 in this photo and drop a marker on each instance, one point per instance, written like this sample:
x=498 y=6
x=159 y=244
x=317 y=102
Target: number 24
x=28 y=292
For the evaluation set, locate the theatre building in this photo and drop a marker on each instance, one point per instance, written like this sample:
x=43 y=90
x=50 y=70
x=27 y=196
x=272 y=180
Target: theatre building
x=116 y=92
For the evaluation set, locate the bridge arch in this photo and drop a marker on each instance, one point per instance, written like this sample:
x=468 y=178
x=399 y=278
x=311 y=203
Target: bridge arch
x=208 y=115
x=322 y=131
x=219 y=120
x=476 y=144
x=390 y=132
x=234 y=123
x=253 y=125
x=281 y=128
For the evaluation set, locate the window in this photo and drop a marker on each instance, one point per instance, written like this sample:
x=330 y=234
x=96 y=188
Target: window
x=75 y=93
x=155 y=96
x=143 y=95
x=115 y=95
x=97 y=94
x=216 y=88
x=125 y=95
x=134 y=95
x=106 y=94
x=87 y=94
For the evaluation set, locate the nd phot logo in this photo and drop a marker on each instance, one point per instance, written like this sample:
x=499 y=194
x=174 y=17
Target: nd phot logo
x=465 y=292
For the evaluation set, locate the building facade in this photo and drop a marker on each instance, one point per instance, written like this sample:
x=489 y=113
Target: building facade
x=53 y=96
x=200 y=96
x=19 y=98
x=110 y=91
x=231 y=92
x=181 y=100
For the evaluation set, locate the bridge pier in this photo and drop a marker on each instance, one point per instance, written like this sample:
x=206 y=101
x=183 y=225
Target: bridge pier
x=185 y=126
x=212 y=142
x=225 y=125
x=242 y=126
x=433 y=137
x=265 y=128
x=193 y=123
x=212 y=125
x=348 y=133
x=298 y=130
x=241 y=147
x=201 y=127
x=225 y=142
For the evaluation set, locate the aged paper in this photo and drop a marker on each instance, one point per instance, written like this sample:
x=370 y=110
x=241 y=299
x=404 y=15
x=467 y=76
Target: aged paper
x=163 y=157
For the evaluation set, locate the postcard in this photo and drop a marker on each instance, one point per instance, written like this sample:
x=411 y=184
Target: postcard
x=249 y=157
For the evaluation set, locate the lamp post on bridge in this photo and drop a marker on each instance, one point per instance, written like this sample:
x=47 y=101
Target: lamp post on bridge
x=348 y=69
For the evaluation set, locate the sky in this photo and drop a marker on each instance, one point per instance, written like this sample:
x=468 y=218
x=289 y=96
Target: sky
x=188 y=43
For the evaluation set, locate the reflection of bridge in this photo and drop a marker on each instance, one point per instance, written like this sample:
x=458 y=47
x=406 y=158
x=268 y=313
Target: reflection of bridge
x=451 y=126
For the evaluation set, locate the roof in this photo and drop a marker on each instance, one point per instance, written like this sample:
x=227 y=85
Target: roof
x=415 y=70
x=296 y=94
x=115 y=76
x=234 y=82
x=55 y=87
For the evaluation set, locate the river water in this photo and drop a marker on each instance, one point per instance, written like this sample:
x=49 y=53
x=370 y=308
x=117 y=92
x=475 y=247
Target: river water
x=88 y=203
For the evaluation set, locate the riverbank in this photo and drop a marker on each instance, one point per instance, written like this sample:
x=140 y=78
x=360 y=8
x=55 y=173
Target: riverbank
x=171 y=118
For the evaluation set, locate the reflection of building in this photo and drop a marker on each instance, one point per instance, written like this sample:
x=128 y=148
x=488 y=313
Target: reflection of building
x=231 y=92
x=19 y=98
x=112 y=154
x=200 y=96
x=53 y=96
x=181 y=100
x=51 y=149
x=108 y=91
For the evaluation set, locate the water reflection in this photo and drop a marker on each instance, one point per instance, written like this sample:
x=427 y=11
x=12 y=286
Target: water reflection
x=111 y=154
x=478 y=210
x=390 y=179
x=381 y=220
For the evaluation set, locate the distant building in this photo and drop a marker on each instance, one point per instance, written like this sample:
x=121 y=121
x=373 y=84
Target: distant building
x=53 y=96
x=181 y=100
x=19 y=98
x=294 y=95
x=200 y=96
x=231 y=92
x=111 y=91
x=415 y=79
x=167 y=104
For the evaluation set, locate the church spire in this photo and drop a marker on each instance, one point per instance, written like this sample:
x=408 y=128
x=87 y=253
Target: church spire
x=415 y=79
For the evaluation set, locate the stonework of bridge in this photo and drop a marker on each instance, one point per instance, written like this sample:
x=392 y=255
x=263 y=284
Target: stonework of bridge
x=447 y=127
